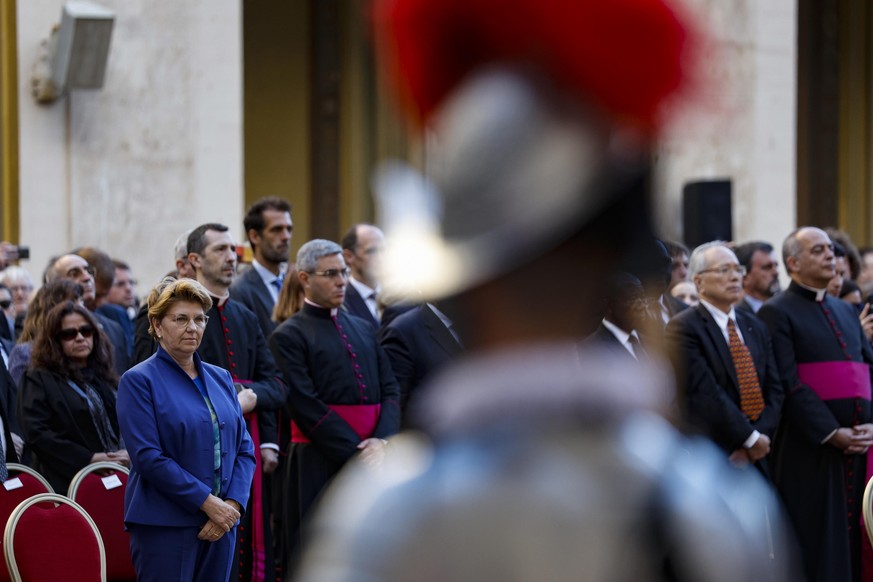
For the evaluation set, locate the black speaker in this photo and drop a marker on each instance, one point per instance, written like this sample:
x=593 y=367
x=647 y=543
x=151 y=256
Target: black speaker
x=706 y=212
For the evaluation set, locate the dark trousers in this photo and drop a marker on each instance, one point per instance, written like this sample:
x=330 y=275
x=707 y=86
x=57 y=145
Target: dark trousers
x=174 y=553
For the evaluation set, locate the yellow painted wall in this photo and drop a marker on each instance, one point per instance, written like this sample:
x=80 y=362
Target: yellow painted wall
x=276 y=106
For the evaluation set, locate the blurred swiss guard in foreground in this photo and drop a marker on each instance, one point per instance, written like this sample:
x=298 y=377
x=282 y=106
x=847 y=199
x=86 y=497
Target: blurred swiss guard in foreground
x=535 y=460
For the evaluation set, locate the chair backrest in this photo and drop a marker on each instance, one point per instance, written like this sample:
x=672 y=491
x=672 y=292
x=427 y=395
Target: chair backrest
x=50 y=537
x=99 y=488
x=867 y=509
x=23 y=483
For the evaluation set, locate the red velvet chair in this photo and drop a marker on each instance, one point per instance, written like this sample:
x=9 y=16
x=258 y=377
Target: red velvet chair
x=50 y=537
x=11 y=495
x=99 y=488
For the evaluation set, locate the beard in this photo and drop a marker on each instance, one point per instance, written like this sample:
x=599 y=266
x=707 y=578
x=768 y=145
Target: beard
x=275 y=255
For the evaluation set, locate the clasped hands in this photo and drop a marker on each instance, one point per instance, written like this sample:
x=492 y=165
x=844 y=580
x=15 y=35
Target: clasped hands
x=120 y=456
x=853 y=440
x=745 y=456
x=222 y=517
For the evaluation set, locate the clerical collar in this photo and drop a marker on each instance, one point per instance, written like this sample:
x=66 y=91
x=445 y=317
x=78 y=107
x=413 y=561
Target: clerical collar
x=220 y=301
x=333 y=311
x=809 y=292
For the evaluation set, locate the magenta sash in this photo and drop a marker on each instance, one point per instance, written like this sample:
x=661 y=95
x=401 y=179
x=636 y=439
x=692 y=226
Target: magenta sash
x=835 y=380
x=363 y=419
x=831 y=381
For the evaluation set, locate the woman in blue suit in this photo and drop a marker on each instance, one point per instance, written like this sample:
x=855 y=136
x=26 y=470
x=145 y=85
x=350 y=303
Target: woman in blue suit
x=191 y=456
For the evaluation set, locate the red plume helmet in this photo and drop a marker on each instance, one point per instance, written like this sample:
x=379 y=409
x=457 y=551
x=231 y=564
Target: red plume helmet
x=625 y=57
x=543 y=112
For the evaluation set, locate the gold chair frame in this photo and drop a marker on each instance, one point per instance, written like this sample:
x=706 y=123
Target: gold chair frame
x=9 y=532
x=76 y=481
x=18 y=468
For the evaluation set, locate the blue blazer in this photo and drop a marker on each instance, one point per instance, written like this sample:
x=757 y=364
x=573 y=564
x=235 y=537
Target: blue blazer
x=168 y=432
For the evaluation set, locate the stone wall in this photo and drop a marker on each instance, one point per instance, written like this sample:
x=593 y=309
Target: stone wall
x=744 y=125
x=157 y=151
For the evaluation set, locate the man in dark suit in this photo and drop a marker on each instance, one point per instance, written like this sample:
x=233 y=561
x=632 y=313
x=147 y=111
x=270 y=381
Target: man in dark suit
x=762 y=274
x=418 y=342
x=724 y=360
x=624 y=314
x=269 y=228
x=362 y=251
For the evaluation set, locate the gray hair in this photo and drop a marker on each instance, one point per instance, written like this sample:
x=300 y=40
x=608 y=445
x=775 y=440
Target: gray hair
x=14 y=272
x=311 y=252
x=791 y=247
x=181 y=248
x=697 y=262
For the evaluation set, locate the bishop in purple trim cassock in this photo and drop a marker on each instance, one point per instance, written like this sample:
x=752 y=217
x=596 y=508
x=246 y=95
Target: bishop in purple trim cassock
x=344 y=399
x=820 y=464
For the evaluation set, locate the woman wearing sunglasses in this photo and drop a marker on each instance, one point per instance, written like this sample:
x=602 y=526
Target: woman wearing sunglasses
x=66 y=401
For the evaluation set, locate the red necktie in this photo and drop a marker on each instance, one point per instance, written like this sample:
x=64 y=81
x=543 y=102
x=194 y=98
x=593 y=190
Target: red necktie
x=751 y=398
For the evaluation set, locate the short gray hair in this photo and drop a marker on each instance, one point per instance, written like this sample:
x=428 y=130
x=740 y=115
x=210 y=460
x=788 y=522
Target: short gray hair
x=14 y=272
x=181 y=248
x=791 y=247
x=697 y=262
x=311 y=252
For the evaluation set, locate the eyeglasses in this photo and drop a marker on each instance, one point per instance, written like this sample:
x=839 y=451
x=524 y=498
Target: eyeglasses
x=72 y=333
x=183 y=320
x=726 y=269
x=333 y=273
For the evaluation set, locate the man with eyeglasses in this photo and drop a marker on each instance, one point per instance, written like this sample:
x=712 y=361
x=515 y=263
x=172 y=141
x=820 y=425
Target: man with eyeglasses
x=761 y=281
x=724 y=362
x=344 y=400
x=77 y=269
x=820 y=456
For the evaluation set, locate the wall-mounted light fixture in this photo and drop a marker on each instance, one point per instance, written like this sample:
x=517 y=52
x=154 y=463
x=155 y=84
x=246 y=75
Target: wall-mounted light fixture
x=75 y=54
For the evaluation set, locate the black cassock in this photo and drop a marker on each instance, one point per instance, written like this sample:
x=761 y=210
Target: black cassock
x=820 y=485
x=326 y=373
